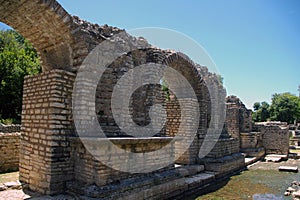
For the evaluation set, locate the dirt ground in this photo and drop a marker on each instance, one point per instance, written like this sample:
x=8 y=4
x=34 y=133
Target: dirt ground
x=23 y=194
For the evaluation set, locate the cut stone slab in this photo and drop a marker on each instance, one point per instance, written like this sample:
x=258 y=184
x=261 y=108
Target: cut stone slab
x=288 y=168
x=250 y=160
x=13 y=185
x=199 y=179
x=275 y=158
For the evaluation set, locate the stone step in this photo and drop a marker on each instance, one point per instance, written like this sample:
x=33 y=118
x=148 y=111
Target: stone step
x=15 y=185
x=288 y=168
x=149 y=187
x=275 y=157
x=199 y=179
x=250 y=160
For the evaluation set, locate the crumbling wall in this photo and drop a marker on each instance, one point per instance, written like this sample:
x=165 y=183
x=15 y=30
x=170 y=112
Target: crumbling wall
x=9 y=148
x=49 y=158
x=275 y=137
x=238 y=117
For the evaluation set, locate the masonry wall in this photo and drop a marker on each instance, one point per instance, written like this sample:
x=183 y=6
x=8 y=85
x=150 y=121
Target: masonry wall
x=251 y=140
x=89 y=168
x=13 y=128
x=9 y=152
x=275 y=137
x=224 y=147
x=46 y=126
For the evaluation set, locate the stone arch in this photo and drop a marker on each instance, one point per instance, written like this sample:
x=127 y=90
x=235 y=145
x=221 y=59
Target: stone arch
x=178 y=61
x=46 y=25
x=194 y=74
x=63 y=42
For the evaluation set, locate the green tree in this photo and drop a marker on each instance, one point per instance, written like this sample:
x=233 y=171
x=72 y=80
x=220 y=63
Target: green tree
x=256 y=106
x=18 y=58
x=285 y=107
x=261 y=111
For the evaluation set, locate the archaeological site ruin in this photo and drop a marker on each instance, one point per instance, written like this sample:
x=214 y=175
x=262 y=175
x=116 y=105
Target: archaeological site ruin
x=53 y=158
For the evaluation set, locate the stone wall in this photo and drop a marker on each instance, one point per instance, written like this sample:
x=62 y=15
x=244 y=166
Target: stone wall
x=89 y=168
x=13 y=128
x=46 y=125
x=49 y=158
x=275 y=137
x=251 y=140
x=9 y=151
x=238 y=117
x=224 y=146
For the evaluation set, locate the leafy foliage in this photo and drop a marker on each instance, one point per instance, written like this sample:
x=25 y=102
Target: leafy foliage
x=285 y=107
x=18 y=58
x=261 y=111
x=165 y=89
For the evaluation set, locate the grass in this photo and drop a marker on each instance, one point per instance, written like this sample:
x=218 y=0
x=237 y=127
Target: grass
x=295 y=151
x=239 y=187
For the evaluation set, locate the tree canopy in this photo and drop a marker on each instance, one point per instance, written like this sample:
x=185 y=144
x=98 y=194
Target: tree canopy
x=285 y=107
x=18 y=58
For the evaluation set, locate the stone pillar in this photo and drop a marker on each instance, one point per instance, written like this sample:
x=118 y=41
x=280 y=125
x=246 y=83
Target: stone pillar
x=46 y=127
x=187 y=147
x=233 y=120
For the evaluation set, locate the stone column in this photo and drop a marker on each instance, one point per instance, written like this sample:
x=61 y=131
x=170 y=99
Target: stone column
x=46 y=127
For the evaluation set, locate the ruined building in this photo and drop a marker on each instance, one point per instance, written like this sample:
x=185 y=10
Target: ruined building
x=71 y=138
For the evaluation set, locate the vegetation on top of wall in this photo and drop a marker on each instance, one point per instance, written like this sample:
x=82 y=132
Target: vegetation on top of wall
x=285 y=107
x=18 y=58
x=165 y=89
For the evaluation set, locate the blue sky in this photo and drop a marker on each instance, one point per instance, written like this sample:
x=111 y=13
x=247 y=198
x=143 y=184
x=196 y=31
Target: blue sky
x=255 y=44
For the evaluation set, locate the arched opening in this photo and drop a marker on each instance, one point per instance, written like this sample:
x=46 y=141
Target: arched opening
x=18 y=58
x=46 y=25
x=51 y=31
x=146 y=96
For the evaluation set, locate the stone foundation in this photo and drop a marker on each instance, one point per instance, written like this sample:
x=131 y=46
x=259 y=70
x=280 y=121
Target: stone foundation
x=89 y=169
x=252 y=144
x=224 y=146
x=224 y=165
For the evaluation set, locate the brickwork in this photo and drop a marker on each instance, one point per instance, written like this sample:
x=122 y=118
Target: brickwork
x=223 y=147
x=50 y=156
x=88 y=168
x=61 y=40
x=46 y=124
x=238 y=117
x=251 y=140
x=9 y=148
x=275 y=137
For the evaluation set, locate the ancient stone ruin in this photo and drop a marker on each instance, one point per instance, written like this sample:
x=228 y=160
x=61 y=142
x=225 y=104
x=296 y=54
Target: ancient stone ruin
x=54 y=159
x=9 y=147
x=255 y=139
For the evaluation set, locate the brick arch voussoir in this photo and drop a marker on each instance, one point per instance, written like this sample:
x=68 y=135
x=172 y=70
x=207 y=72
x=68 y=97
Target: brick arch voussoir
x=47 y=25
x=196 y=75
